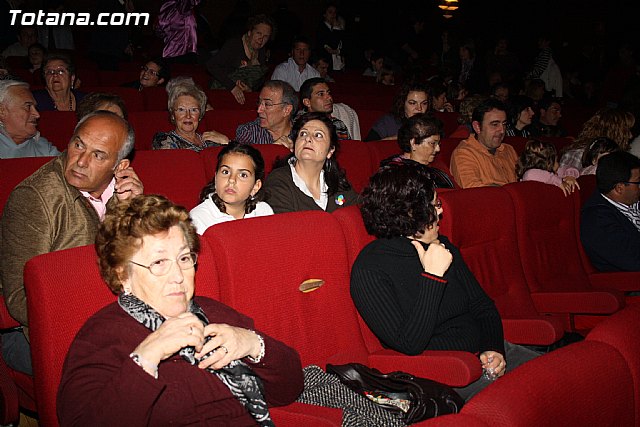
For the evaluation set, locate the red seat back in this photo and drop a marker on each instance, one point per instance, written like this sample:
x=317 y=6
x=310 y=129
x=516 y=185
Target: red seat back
x=449 y=121
x=226 y=121
x=355 y=159
x=367 y=119
x=262 y=262
x=146 y=124
x=176 y=174
x=447 y=145
x=57 y=127
x=14 y=171
x=565 y=387
x=487 y=244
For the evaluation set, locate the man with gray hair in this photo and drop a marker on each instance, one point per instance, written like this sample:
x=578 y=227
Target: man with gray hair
x=60 y=206
x=19 y=136
x=277 y=105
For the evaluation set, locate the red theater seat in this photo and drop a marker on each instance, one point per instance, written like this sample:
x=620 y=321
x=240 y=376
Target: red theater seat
x=449 y=120
x=355 y=159
x=146 y=124
x=57 y=127
x=486 y=241
x=14 y=171
x=549 y=252
x=176 y=174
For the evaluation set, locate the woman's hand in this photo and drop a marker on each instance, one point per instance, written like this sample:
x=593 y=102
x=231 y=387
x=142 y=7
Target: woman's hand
x=286 y=141
x=447 y=107
x=494 y=362
x=569 y=184
x=436 y=259
x=237 y=93
x=174 y=334
x=230 y=343
x=216 y=137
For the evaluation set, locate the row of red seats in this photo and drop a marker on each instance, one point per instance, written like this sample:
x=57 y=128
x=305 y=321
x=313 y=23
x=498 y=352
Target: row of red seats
x=324 y=326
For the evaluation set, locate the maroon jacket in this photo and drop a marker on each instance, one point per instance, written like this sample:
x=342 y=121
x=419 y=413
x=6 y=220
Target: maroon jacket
x=102 y=386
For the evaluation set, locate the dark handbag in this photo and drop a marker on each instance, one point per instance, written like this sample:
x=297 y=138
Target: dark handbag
x=412 y=399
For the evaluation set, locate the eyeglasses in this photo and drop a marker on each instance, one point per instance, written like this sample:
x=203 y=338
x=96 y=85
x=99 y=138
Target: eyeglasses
x=434 y=143
x=632 y=182
x=268 y=104
x=162 y=267
x=437 y=204
x=150 y=71
x=59 y=71
x=181 y=111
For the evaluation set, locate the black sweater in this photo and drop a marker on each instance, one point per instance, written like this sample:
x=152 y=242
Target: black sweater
x=411 y=311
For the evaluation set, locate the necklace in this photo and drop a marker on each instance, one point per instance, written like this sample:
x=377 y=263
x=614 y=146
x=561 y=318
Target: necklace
x=55 y=103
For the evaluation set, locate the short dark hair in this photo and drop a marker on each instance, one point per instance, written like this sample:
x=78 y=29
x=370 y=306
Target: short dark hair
x=307 y=88
x=92 y=101
x=547 y=101
x=57 y=56
x=615 y=168
x=165 y=70
x=255 y=20
x=258 y=165
x=485 y=106
x=300 y=39
x=397 y=201
x=418 y=128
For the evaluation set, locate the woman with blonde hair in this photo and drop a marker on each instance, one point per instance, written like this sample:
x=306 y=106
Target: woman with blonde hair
x=612 y=123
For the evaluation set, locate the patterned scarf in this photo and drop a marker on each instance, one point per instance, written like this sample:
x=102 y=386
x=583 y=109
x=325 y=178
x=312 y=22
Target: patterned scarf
x=243 y=383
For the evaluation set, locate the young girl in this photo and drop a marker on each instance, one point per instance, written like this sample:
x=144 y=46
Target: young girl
x=539 y=162
x=599 y=147
x=233 y=191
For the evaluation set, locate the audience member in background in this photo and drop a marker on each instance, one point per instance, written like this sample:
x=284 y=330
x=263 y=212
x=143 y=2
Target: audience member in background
x=612 y=123
x=411 y=285
x=482 y=159
x=35 y=59
x=60 y=79
x=546 y=69
x=277 y=106
x=520 y=116
x=19 y=136
x=159 y=341
x=26 y=37
x=187 y=105
x=296 y=69
x=5 y=72
x=330 y=36
x=600 y=147
x=376 y=61
x=550 y=112
x=500 y=91
x=315 y=97
x=311 y=179
x=610 y=220
x=535 y=90
x=466 y=112
x=234 y=192
x=386 y=77
x=456 y=93
x=411 y=100
x=501 y=60
x=239 y=65
x=100 y=101
x=56 y=36
x=176 y=25
x=471 y=74
x=60 y=206
x=154 y=73
x=539 y=162
x=321 y=63
x=438 y=99
x=419 y=140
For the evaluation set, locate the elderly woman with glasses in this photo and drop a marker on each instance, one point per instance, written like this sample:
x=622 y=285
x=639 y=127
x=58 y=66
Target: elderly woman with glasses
x=60 y=82
x=187 y=105
x=411 y=285
x=160 y=355
x=419 y=140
